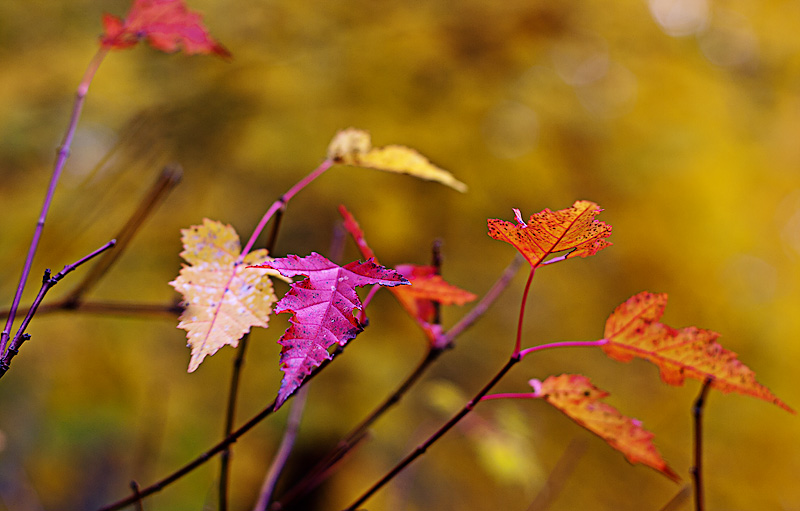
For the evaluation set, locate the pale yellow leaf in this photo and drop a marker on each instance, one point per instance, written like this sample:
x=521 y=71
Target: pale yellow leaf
x=353 y=147
x=223 y=298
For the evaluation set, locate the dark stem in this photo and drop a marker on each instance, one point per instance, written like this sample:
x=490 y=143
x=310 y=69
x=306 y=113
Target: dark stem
x=238 y=362
x=420 y=450
x=697 y=469
x=135 y=489
x=106 y=308
x=47 y=282
x=321 y=470
x=216 y=449
x=230 y=416
x=436 y=262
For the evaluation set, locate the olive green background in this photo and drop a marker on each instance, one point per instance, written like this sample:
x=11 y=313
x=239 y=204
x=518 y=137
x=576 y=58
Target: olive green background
x=680 y=119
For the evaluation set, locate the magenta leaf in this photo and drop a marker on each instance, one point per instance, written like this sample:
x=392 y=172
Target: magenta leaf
x=323 y=306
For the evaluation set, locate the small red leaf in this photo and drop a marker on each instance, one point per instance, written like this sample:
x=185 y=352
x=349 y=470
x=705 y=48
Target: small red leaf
x=323 y=305
x=576 y=397
x=426 y=286
x=168 y=25
x=633 y=330
x=547 y=232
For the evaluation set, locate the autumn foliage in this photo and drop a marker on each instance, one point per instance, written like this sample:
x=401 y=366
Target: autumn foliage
x=226 y=291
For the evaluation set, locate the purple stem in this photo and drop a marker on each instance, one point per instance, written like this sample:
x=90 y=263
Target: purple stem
x=285 y=448
x=282 y=201
x=512 y=395
x=47 y=283
x=61 y=159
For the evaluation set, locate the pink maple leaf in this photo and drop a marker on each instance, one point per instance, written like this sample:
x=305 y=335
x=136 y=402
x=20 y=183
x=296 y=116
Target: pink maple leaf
x=323 y=306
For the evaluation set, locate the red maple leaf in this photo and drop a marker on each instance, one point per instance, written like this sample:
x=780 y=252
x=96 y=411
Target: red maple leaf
x=323 y=305
x=168 y=25
x=426 y=286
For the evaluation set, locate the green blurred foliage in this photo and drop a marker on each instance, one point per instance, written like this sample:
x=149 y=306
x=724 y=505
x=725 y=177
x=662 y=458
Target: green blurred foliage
x=679 y=117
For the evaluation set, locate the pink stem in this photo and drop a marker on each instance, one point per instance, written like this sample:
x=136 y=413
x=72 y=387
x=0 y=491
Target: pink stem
x=511 y=395
x=565 y=344
x=281 y=203
x=518 y=344
x=61 y=159
x=362 y=317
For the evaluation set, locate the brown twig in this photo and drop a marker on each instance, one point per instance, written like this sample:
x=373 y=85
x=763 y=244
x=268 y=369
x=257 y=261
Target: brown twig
x=697 y=469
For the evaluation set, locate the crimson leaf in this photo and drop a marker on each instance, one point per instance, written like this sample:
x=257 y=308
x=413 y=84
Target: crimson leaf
x=323 y=306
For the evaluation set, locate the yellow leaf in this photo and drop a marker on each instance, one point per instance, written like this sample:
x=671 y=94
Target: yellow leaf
x=354 y=147
x=223 y=298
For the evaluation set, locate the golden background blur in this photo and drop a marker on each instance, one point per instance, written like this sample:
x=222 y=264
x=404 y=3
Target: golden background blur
x=679 y=117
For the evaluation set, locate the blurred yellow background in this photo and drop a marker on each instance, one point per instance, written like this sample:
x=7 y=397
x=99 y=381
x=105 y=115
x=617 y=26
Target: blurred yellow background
x=679 y=117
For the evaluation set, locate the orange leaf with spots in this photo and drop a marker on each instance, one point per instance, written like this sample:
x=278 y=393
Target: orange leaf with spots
x=634 y=330
x=168 y=25
x=573 y=229
x=426 y=286
x=578 y=399
x=223 y=298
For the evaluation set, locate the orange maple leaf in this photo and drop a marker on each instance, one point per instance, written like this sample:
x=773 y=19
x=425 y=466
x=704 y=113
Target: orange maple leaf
x=426 y=286
x=633 y=330
x=168 y=25
x=573 y=229
x=576 y=397
x=223 y=297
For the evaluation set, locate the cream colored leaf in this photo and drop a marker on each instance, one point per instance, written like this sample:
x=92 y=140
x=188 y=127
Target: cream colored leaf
x=354 y=147
x=223 y=298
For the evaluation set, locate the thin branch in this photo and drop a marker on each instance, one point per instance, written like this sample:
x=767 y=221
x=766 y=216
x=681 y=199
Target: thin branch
x=47 y=283
x=483 y=305
x=216 y=449
x=61 y=159
x=559 y=476
x=135 y=489
x=436 y=262
x=282 y=202
x=238 y=362
x=230 y=416
x=169 y=177
x=518 y=343
x=697 y=469
x=420 y=450
x=285 y=448
x=676 y=502
x=321 y=470
x=106 y=308
x=565 y=344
